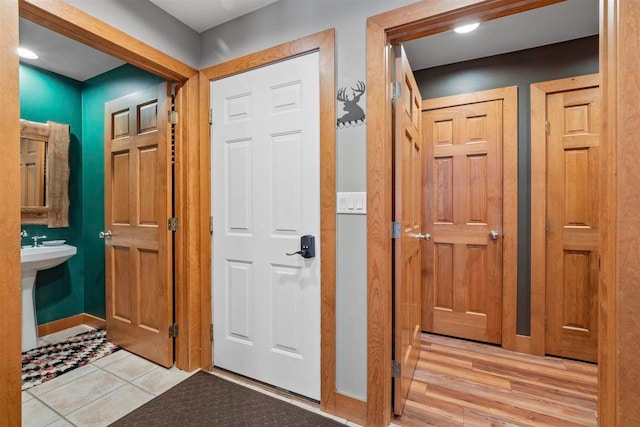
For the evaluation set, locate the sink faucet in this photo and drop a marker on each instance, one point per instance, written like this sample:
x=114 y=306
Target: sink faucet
x=36 y=239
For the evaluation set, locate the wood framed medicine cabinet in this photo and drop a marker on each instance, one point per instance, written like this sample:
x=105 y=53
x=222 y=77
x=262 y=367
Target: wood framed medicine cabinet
x=45 y=175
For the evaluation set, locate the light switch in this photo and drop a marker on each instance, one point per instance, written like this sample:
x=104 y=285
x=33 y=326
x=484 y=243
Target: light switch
x=352 y=203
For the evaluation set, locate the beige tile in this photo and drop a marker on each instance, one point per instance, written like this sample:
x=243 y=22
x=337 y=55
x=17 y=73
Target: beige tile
x=84 y=390
x=61 y=422
x=160 y=380
x=62 y=380
x=112 y=358
x=42 y=343
x=111 y=407
x=26 y=396
x=37 y=414
x=131 y=367
x=67 y=333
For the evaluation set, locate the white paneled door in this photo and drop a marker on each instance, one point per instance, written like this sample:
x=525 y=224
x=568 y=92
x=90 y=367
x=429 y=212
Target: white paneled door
x=266 y=195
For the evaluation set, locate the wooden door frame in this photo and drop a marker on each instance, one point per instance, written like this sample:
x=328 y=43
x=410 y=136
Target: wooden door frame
x=323 y=42
x=619 y=294
x=539 y=93
x=69 y=21
x=509 y=96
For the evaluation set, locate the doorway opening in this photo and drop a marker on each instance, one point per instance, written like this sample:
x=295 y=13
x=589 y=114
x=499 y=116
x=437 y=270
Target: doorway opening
x=461 y=187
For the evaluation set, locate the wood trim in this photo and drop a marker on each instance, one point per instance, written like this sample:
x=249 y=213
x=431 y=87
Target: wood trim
x=619 y=215
x=510 y=218
x=538 y=215
x=522 y=344
x=93 y=321
x=69 y=21
x=10 y=311
x=350 y=408
x=611 y=58
x=70 y=322
x=190 y=343
x=509 y=95
x=539 y=92
x=402 y=24
x=324 y=42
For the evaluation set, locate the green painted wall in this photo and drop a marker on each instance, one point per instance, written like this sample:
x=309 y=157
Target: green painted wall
x=78 y=285
x=46 y=96
x=96 y=91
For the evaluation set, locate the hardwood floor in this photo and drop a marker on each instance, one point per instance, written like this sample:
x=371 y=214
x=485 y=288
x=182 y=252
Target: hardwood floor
x=463 y=383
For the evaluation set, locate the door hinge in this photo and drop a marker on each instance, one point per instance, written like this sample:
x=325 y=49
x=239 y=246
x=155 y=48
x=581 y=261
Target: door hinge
x=210 y=116
x=211 y=332
x=396 y=90
x=395 y=230
x=173 y=224
x=173 y=117
x=396 y=369
x=546 y=225
x=211 y=224
x=173 y=331
x=546 y=127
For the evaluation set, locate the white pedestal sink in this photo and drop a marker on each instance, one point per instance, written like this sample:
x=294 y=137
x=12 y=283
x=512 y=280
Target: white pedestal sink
x=33 y=260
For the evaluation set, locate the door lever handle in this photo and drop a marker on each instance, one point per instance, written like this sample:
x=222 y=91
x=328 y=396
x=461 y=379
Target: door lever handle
x=105 y=234
x=307 y=247
x=426 y=236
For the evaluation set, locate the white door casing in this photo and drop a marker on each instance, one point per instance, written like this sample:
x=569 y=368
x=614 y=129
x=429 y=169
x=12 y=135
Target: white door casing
x=266 y=194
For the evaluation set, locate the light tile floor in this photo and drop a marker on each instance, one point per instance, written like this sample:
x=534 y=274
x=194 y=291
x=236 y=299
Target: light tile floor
x=98 y=394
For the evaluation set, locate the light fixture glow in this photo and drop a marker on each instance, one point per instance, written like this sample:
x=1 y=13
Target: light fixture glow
x=466 y=28
x=26 y=53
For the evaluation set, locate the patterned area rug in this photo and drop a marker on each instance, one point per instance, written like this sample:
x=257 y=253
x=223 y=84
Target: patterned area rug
x=47 y=362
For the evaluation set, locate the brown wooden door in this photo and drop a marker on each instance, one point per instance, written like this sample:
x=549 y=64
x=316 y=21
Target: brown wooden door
x=408 y=214
x=463 y=205
x=573 y=185
x=137 y=207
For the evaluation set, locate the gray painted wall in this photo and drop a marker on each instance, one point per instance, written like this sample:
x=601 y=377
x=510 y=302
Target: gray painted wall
x=281 y=22
x=148 y=23
x=556 y=61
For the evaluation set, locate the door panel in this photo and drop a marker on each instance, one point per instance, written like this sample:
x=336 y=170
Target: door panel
x=573 y=181
x=266 y=194
x=137 y=208
x=408 y=213
x=463 y=204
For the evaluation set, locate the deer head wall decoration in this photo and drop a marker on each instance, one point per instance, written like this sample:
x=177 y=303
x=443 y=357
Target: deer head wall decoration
x=354 y=113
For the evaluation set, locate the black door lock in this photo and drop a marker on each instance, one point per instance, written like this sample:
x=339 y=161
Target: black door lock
x=307 y=247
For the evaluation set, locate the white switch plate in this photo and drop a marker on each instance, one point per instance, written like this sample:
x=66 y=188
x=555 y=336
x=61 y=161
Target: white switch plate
x=352 y=203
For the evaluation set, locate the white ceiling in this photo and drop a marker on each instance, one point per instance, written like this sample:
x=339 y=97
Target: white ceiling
x=204 y=14
x=62 y=55
x=560 y=22
x=564 y=21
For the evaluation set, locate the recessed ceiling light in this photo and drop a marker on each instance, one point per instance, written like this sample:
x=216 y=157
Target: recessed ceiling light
x=26 y=53
x=466 y=28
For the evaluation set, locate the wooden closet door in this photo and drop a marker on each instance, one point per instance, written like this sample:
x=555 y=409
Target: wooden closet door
x=573 y=185
x=463 y=185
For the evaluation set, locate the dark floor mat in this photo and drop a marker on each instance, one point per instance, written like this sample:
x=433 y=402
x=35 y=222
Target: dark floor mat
x=207 y=400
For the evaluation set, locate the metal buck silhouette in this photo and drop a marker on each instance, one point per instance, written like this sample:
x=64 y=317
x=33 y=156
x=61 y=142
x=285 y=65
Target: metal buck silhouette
x=354 y=113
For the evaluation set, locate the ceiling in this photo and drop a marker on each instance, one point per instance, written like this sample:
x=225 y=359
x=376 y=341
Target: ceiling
x=560 y=22
x=62 y=55
x=201 y=15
